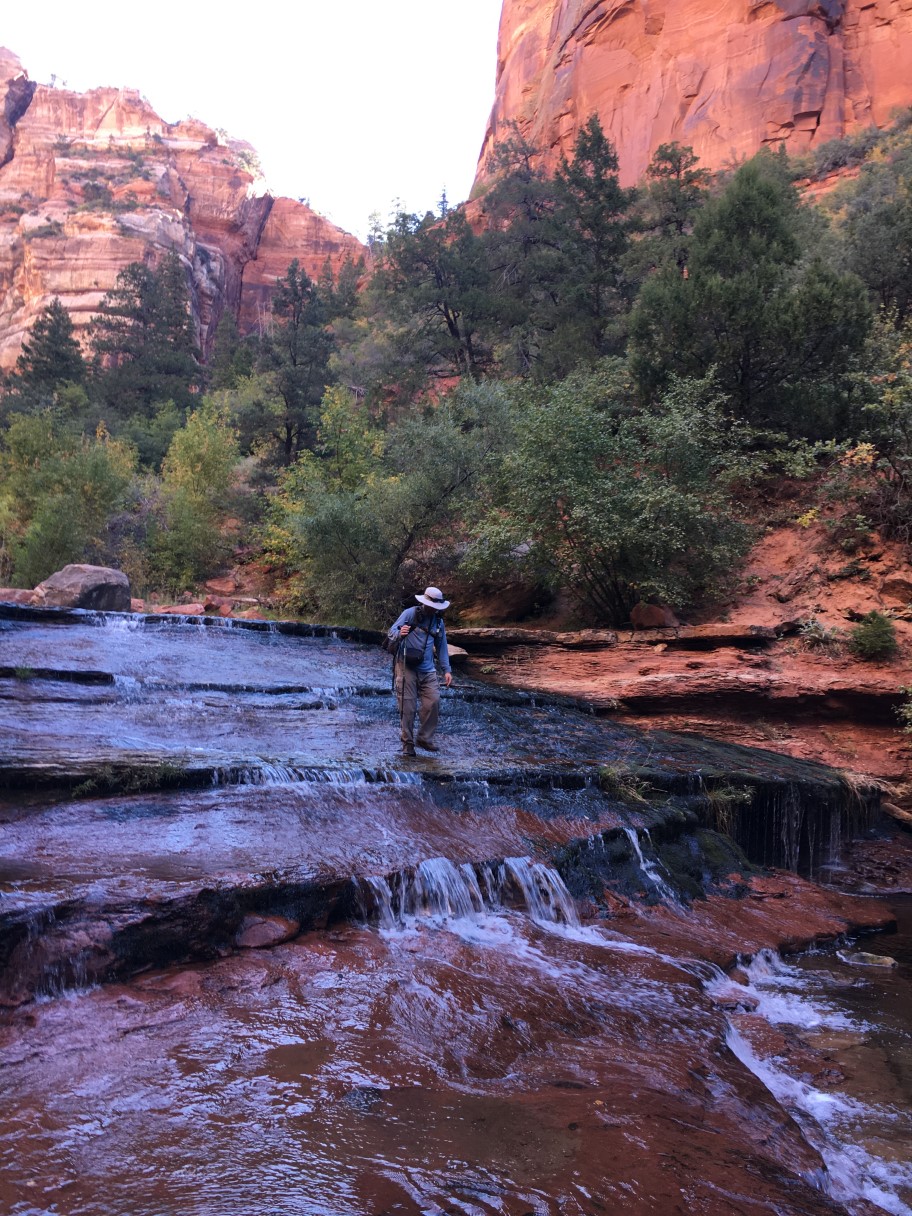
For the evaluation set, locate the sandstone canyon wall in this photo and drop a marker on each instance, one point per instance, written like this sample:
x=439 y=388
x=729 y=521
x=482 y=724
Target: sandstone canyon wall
x=90 y=182
x=724 y=76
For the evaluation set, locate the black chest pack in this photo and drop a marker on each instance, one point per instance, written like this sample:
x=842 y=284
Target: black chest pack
x=413 y=645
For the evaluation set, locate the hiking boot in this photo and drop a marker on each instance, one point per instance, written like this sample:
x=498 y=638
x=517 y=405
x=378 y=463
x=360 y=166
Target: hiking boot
x=407 y=749
x=428 y=747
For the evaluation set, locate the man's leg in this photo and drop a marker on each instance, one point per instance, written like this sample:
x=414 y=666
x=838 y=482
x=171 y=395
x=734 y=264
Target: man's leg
x=428 y=708
x=407 y=694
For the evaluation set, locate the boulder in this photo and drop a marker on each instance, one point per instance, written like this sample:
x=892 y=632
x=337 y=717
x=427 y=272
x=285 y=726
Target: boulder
x=896 y=587
x=652 y=616
x=79 y=586
x=222 y=586
x=862 y=958
x=258 y=931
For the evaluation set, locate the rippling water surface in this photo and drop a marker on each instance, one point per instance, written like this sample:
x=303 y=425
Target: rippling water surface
x=470 y=1048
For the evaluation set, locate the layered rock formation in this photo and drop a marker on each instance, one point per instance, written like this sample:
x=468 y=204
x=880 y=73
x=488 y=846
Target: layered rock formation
x=90 y=182
x=724 y=76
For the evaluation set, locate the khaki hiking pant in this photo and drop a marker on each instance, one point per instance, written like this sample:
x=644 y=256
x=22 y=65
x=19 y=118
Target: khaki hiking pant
x=417 y=690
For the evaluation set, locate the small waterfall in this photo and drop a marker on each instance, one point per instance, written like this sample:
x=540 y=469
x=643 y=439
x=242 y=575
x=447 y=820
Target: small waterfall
x=264 y=773
x=440 y=889
x=795 y=825
x=118 y=622
x=649 y=868
x=437 y=889
x=542 y=889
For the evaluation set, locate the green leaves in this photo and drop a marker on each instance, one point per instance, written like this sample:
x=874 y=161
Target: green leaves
x=59 y=493
x=779 y=330
x=357 y=514
x=50 y=355
x=616 y=502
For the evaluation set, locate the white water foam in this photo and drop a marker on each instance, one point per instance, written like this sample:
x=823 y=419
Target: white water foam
x=117 y=622
x=834 y=1124
x=128 y=688
x=772 y=981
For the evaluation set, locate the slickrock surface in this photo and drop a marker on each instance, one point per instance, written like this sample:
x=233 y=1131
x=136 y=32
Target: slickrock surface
x=754 y=677
x=90 y=182
x=724 y=76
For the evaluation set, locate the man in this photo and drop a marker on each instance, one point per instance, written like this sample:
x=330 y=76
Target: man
x=415 y=675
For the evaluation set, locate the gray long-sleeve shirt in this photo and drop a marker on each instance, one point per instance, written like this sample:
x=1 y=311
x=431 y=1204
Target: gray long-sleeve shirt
x=414 y=618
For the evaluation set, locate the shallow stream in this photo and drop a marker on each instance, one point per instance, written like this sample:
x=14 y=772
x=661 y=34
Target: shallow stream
x=453 y=1031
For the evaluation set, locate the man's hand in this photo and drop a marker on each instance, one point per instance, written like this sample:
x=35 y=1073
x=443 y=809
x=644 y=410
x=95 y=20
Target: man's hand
x=403 y=630
x=447 y=679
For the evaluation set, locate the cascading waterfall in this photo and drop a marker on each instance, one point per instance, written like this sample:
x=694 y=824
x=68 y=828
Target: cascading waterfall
x=264 y=773
x=649 y=868
x=439 y=889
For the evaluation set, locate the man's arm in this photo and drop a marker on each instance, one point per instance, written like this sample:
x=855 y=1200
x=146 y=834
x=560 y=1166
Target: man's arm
x=401 y=625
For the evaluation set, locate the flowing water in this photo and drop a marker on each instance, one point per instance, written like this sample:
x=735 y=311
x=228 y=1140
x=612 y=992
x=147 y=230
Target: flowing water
x=832 y=1041
x=494 y=1006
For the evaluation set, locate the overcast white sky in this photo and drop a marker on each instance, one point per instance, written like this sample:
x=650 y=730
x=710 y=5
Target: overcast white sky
x=351 y=105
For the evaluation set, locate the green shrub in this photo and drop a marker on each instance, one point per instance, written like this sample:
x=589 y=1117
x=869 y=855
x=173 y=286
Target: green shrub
x=615 y=503
x=59 y=492
x=873 y=638
x=43 y=231
x=197 y=494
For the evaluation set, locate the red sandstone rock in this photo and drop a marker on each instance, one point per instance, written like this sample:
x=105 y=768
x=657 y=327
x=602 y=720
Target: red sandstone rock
x=724 y=76
x=896 y=587
x=17 y=595
x=258 y=931
x=180 y=610
x=171 y=187
x=291 y=231
x=222 y=586
x=652 y=616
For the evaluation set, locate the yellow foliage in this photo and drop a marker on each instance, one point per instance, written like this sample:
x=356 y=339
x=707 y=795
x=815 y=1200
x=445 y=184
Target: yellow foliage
x=862 y=455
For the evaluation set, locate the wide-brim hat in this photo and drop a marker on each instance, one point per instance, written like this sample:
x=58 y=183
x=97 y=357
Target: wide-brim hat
x=433 y=597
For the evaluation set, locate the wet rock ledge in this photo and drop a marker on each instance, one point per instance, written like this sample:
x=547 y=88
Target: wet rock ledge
x=172 y=791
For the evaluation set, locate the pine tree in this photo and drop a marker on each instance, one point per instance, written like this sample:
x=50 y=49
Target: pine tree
x=676 y=192
x=50 y=355
x=778 y=326
x=297 y=350
x=143 y=340
x=593 y=220
x=232 y=357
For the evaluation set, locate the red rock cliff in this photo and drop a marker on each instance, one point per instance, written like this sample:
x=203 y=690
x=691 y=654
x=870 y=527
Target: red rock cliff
x=724 y=76
x=92 y=181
